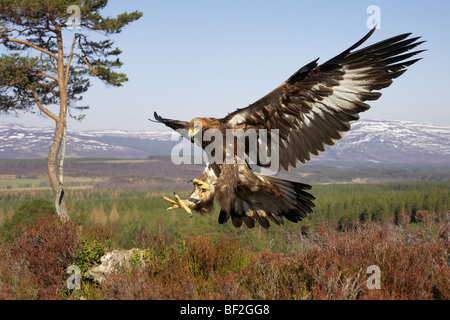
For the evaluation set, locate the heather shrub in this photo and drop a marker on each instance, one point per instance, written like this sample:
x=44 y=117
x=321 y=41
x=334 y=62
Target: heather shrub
x=328 y=264
x=34 y=264
x=412 y=267
x=27 y=212
x=164 y=275
x=222 y=255
x=217 y=267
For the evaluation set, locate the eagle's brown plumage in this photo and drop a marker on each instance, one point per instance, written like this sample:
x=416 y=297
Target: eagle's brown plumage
x=311 y=110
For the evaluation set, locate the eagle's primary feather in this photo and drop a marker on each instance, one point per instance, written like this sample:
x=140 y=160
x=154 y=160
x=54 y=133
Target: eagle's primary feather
x=310 y=110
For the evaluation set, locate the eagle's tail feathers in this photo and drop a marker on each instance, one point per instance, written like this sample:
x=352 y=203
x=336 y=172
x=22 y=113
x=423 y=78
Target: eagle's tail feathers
x=296 y=203
x=292 y=202
x=223 y=216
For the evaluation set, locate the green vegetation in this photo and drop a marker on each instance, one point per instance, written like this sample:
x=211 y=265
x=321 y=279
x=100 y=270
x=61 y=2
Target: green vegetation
x=128 y=212
x=89 y=254
x=26 y=213
x=379 y=202
x=18 y=182
x=314 y=173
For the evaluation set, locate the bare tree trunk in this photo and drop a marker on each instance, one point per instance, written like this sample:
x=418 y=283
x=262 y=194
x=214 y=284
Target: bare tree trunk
x=60 y=200
x=56 y=179
x=59 y=140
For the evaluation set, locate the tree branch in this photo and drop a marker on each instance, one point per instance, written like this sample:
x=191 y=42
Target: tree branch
x=44 y=75
x=32 y=46
x=42 y=108
x=8 y=84
x=87 y=63
x=69 y=61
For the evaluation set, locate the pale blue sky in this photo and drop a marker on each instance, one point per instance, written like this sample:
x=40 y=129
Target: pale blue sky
x=206 y=58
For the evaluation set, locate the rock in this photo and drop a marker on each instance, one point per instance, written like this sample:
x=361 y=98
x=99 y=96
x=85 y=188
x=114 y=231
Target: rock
x=113 y=260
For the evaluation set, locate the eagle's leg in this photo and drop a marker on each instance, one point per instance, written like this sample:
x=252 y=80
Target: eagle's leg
x=179 y=203
x=201 y=200
x=195 y=202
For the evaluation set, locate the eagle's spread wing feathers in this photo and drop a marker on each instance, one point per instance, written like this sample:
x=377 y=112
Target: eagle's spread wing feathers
x=315 y=105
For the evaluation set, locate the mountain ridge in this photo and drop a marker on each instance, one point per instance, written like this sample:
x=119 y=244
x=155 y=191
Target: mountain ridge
x=368 y=142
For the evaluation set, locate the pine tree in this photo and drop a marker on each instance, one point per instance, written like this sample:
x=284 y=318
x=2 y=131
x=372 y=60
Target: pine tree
x=41 y=69
x=114 y=215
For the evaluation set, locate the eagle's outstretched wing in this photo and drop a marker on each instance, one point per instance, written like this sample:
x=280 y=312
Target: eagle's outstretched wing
x=173 y=124
x=176 y=125
x=315 y=105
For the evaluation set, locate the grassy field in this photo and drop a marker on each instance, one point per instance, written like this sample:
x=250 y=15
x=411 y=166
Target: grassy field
x=161 y=173
x=11 y=182
x=337 y=205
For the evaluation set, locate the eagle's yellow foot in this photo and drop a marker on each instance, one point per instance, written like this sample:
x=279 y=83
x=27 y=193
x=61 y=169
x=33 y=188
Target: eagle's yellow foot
x=178 y=203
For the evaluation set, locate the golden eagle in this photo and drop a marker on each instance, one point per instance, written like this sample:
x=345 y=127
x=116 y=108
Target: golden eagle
x=310 y=110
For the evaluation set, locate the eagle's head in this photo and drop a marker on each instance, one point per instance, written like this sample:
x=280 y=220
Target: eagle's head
x=195 y=126
x=200 y=125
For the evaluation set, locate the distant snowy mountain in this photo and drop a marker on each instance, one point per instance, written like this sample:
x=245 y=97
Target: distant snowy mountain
x=17 y=141
x=391 y=141
x=369 y=141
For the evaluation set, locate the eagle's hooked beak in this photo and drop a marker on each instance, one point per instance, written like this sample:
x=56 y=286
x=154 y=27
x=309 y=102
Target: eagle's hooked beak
x=195 y=126
x=193 y=131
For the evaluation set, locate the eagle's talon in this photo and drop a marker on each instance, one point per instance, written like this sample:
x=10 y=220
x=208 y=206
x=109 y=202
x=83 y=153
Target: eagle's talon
x=178 y=203
x=170 y=200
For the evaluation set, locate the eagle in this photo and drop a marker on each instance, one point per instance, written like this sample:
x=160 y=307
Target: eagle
x=310 y=110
